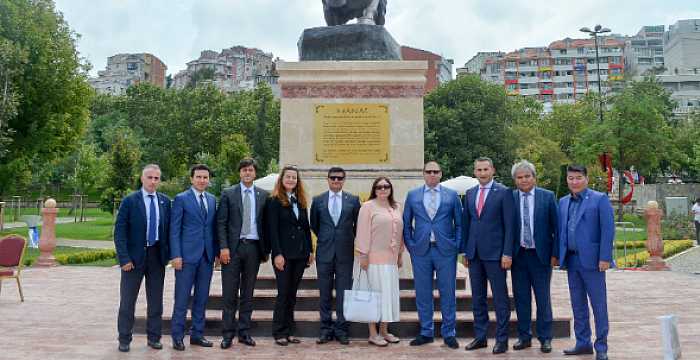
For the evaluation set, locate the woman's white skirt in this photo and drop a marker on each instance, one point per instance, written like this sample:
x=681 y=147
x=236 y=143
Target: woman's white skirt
x=383 y=278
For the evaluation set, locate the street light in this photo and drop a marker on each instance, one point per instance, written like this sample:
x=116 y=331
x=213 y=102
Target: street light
x=597 y=30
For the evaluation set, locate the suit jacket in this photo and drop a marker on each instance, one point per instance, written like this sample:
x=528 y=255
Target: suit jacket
x=335 y=241
x=289 y=236
x=229 y=218
x=545 y=225
x=191 y=234
x=595 y=229
x=130 y=229
x=447 y=223
x=490 y=235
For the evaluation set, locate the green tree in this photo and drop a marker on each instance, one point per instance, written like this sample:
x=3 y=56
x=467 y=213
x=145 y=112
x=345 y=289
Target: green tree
x=467 y=118
x=202 y=75
x=48 y=82
x=122 y=170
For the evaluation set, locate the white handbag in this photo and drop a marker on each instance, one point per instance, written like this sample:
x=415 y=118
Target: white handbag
x=361 y=304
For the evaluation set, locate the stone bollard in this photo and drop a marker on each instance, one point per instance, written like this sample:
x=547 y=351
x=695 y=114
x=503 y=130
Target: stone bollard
x=47 y=241
x=654 y=244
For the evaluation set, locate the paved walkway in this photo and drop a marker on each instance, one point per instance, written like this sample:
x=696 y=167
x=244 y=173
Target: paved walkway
x=59 y=220
x=70 y=313
x=687 y=262
x=93 y=244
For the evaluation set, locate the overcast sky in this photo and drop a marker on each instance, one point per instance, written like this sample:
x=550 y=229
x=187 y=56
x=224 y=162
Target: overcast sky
x=177 y=30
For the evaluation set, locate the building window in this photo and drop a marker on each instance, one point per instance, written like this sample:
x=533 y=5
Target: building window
x=132 y=66
x=581 y=50
x=562 y=51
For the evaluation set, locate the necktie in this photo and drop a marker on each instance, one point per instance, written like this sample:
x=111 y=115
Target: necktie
x=527 y=232
x=152 y=222
x=202 y=208
x=336 y=209
x=295 y=207
x=432 y=203
x=480 y=204
x=245 y=228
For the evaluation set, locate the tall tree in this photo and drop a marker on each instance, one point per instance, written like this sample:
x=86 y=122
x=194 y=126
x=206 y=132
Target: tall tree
x=49 y=85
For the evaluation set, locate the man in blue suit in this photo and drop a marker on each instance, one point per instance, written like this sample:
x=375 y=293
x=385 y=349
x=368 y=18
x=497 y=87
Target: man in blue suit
x=488 y=250
x=432 y=219
x=587 y=231
x=534 y=253
x=193 y=251
x=141 y=240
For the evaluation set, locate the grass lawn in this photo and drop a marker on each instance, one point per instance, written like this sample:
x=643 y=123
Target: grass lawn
x=99 y=229
x=32 y=254
x=630 y=235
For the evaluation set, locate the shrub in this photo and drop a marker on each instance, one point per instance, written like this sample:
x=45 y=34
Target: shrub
x=677 y=227
x=671 y=247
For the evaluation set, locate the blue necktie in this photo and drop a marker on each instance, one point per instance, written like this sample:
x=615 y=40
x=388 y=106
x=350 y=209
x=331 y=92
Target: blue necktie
x=152 y=222
x=202 y=208
x=527 y=233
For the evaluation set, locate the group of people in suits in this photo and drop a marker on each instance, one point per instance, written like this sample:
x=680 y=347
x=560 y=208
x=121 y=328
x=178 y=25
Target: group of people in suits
x=495 y=228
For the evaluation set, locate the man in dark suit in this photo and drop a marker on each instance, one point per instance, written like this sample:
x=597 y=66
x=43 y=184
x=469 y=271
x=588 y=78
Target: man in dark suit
x=587 y=231
x=141 y=242
x=488 y=251
x=243 y=248
x=333 y=220
x=432 y=223
x=193 y=250
x=535 y=251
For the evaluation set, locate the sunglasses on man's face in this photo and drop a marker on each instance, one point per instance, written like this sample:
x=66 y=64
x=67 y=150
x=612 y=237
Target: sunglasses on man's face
x=337 y=178
x=383 y=187
x=432 y=172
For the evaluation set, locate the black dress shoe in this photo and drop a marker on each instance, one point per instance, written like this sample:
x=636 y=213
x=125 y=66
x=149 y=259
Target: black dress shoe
x=154 y=345
x=500 y=347
x=293 y=340
x=123 y=347
x=522 y=344
x=201 y=342
x=601 y=356
x=178 y=345
x=343 y=339
x=451 y=342
x=421 y=340
x=226 y=343
x=324 y=339
x=281 y=342
x=579 y=351
x=476 y=344
x=546 y=346
x=246 y=339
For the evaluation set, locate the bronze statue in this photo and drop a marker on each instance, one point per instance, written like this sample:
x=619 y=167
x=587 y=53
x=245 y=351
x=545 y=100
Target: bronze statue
x=369 y=12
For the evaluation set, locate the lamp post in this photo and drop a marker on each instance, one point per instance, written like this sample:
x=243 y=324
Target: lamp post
x=597 y=30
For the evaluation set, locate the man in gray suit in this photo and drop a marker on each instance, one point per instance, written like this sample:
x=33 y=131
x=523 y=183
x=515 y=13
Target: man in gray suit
x=333 y=220
x=243 y=248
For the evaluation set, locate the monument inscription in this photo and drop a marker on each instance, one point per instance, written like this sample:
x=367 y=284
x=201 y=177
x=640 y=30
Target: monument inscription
x=351 y=134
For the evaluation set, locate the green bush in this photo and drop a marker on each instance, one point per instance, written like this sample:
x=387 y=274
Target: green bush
x=677 y=227
x=639 y=259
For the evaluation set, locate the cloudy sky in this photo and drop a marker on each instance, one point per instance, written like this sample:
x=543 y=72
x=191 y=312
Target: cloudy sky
x=177 y=30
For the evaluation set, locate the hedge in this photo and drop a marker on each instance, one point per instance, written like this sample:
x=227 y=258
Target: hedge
x=81 y=257
x=639 y=259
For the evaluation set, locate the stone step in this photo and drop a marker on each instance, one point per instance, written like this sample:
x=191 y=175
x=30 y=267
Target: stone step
x=308 y=322
x=310 y=282
x=308 y=300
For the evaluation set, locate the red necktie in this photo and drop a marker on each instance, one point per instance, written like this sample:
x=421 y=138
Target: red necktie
x=480 y=204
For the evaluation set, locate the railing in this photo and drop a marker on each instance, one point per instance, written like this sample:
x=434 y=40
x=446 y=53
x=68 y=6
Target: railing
x=626 y=229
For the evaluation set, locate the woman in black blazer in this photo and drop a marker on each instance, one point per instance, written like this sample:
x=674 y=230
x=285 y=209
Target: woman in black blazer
x=289 y=233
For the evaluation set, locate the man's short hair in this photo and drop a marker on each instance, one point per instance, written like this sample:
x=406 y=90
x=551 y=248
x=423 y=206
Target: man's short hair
x=432 y=162
x=484 y=158
x=336 y=169
x=150 y=167
x=523 y=165
x=577 y=168
x=245 y=162
x=200 y=167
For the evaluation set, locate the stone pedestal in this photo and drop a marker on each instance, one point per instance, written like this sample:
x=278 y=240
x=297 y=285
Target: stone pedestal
x=47 y=241
x=312 y=87
x=654 y=243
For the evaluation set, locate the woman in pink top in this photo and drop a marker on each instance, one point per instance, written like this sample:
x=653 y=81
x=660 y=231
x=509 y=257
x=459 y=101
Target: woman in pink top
x=379 y=241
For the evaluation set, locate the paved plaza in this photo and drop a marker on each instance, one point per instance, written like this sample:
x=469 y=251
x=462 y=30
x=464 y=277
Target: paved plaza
x=70 y=313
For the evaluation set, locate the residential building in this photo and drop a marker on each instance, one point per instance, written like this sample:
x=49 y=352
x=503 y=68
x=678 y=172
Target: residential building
x=124 y=70
x=644 y=52
x=682 y=47
x=233 y=69
x=685 y=90
x=476 y=63
x=439 y=69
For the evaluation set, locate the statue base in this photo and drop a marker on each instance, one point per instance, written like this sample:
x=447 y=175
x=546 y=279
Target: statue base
x=348 y=42
x=656 y=263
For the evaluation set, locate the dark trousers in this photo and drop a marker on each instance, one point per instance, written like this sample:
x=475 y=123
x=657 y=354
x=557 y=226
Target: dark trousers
x=288 y=282
x=332 y=275
x=199 y=276
x=481 y=271
x=697 y=232
x=239 y=275
x=424 y=268
x=528 y=275
x=154 y=272
x=583 y=285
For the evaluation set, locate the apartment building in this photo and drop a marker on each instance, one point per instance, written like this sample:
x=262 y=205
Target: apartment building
x=124 y=70
x=644 y=52
x=439 y=68
x=476 y=63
